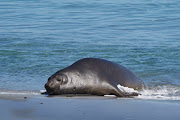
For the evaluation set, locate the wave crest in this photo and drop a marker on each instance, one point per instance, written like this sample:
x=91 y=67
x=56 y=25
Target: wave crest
x=164 y=92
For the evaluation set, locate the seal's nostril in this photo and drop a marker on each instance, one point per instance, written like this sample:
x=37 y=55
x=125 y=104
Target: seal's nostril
x=51 y=84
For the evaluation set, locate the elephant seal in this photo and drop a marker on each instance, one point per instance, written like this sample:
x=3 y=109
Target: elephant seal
x=93 y=76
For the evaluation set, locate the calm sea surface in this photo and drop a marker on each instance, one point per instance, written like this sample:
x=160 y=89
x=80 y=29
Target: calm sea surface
x=39 y=37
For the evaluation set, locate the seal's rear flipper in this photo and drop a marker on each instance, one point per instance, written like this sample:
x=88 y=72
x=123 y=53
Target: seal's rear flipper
x=126 y=92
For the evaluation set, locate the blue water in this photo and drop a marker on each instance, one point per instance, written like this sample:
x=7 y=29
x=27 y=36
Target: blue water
x=39 y=37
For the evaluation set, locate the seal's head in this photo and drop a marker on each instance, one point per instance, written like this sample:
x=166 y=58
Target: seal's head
x=55 y=82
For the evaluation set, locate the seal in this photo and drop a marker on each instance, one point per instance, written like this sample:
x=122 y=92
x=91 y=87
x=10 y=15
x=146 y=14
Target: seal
x=93 y=76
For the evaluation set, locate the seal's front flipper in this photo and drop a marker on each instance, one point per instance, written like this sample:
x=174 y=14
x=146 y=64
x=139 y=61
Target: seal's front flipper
x=125 y=91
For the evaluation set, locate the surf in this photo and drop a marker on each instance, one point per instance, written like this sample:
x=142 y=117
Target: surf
x=155 y=92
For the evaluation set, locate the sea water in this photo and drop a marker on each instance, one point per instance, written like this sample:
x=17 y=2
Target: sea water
x=40 y=37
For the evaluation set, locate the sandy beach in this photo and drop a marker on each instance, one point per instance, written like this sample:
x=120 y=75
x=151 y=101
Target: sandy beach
x=21 y=107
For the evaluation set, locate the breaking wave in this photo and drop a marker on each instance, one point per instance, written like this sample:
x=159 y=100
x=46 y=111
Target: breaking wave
x=161 y=92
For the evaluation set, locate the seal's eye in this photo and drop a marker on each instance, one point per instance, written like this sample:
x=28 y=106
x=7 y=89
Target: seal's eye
x=59 y=79
x=62 y=78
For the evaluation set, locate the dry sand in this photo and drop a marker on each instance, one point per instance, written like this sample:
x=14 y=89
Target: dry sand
x=17 y=107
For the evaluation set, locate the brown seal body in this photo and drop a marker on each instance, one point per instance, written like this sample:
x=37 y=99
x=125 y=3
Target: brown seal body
x=93 y=76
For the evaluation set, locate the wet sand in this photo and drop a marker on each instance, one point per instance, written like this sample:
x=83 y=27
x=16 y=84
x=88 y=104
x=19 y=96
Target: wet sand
x=19 y=107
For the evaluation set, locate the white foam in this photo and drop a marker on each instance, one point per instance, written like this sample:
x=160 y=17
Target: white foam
x=167 y=92
x=126 y=90
x=42 y=91
x=9 y=92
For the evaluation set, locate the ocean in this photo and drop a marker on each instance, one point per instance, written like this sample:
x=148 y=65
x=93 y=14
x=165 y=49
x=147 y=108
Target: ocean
x=40 y=37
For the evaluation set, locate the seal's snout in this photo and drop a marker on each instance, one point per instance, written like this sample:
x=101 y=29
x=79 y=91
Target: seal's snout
x=50 y=85
x=46 y=86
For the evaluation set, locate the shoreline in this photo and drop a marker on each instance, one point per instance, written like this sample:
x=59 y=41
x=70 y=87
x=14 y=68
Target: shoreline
x=40 y=107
